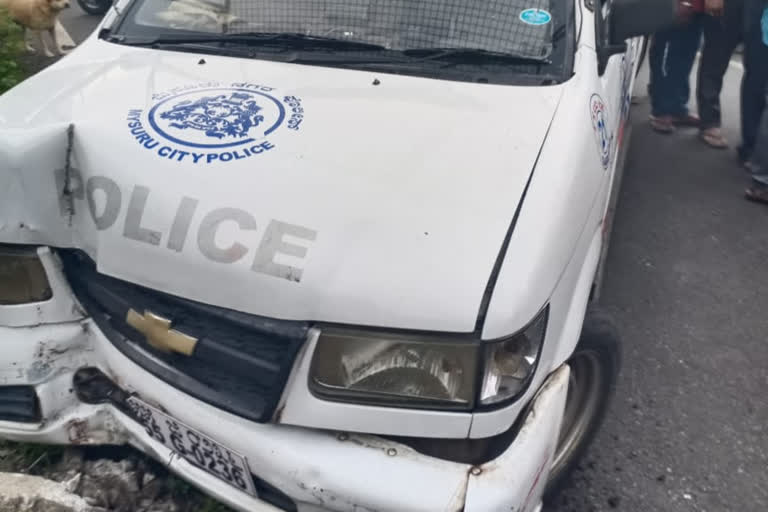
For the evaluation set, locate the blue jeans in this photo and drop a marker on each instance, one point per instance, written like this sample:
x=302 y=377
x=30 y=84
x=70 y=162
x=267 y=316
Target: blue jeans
x=671 y=59
x=754 y=93
x=759 y=158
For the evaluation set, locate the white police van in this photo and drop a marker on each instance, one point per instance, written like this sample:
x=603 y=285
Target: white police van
x=321 y=256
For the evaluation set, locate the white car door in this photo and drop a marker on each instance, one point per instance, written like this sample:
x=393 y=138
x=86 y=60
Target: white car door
x=616 y=81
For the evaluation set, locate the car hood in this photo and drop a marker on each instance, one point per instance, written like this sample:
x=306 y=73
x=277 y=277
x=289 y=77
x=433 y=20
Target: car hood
x=282 y=190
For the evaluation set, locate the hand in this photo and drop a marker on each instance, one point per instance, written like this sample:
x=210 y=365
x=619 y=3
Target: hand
x=714 y=7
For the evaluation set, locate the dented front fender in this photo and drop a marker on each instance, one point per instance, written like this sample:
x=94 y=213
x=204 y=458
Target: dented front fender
x=515 y=481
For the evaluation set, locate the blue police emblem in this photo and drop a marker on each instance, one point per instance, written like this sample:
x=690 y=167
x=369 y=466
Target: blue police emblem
x=213 y=123
x=602 y=131
x=217 y=118
x=535 y=17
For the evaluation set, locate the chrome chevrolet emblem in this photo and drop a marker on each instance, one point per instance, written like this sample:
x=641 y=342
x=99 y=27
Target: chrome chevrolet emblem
x=159 y=334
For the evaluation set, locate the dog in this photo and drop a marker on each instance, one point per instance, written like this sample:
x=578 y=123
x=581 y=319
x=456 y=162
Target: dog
x=37 y=16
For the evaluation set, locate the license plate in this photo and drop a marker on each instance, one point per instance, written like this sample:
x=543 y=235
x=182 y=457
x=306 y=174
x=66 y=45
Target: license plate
x=198 y=449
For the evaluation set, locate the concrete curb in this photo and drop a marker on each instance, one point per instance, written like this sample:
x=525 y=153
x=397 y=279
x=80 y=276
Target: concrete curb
x=27 y=493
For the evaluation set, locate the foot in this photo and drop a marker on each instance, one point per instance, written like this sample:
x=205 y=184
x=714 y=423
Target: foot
x=662 y=124
x=48 y=53
x=757 y=193
x=687 y=121
x=63 y=51
x=713 y=138
x=30 y=48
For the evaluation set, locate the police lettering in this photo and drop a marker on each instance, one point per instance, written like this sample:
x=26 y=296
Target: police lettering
x=138 y=131
x=174 y=232
x=184 y=88
x=178 y=155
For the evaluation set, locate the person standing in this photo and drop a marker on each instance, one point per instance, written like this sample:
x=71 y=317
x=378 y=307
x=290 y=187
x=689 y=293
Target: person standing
x=671 y=59
x=723 y=27
x=754 y=96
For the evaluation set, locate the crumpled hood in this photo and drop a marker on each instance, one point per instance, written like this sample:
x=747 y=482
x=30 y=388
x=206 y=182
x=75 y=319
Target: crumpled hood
x=281 y=190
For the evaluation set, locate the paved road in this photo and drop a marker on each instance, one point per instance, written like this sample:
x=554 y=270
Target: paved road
x=686 y=281
x=78 y=24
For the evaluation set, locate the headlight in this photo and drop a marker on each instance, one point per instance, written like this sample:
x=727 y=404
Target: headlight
x=509 y=363
x=400 y=371
x=424 y=371
x=22 y=277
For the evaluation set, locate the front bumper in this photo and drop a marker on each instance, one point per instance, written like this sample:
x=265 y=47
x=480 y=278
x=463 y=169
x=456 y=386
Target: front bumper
x=318 y=470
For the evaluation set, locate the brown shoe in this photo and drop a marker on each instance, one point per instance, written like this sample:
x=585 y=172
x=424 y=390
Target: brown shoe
x=662 y=124
x=713 y=138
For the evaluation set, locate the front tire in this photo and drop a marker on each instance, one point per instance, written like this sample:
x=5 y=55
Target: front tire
x=595 y=368
x=95 y=7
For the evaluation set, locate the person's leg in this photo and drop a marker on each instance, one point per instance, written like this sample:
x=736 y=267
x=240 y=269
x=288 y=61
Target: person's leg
x=758 y=164
x=661 y=89
x=684 y=55
x=721 y=36
x=759 y=160
x=661 y=86
x=671 y=59
x=755 y=81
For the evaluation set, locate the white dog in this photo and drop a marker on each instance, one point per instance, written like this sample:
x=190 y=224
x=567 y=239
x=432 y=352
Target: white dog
x=37 y=16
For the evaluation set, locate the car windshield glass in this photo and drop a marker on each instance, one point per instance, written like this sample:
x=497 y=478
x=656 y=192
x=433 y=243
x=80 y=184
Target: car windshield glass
x=521 y=28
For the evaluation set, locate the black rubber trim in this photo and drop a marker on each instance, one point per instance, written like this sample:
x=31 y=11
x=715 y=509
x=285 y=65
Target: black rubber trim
x=273 y=495
x=94 y=387
x=468 y=450
x=19 y=404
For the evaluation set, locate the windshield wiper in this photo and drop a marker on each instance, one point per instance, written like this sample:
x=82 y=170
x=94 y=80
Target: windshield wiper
x=472 y=55
x=285 y=40
x=416 y=56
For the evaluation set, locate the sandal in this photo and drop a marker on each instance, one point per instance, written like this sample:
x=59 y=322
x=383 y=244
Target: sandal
x=713 y=138
x=662 y=124
x=757 y=193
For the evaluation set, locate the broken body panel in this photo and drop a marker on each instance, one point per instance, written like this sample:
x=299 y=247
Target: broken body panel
x=318 y=469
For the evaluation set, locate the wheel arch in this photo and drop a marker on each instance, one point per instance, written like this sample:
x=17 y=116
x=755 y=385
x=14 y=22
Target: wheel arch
x=580 y=300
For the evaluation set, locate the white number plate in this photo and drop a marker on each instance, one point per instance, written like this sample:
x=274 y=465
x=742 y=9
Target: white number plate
x=196 y=448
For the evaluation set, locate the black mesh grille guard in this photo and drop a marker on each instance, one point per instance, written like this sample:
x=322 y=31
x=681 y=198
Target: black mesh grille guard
x=240 y=364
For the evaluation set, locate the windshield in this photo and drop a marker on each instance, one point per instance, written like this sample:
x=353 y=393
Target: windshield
x=525 y=29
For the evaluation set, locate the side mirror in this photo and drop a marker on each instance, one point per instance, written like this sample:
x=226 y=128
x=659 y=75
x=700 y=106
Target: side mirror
x=633 y=18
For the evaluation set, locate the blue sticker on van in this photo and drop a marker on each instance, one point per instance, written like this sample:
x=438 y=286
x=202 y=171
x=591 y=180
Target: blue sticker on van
x=535 y=17
x=765 y=26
